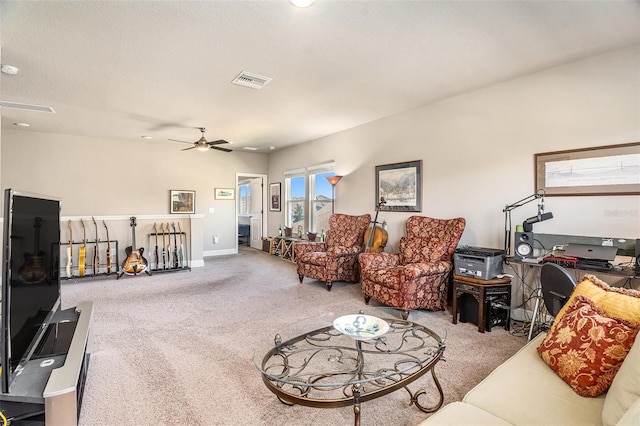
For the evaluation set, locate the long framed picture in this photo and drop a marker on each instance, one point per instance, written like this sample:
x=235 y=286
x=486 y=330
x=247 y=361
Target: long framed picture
x=602 y=170
x=401 y=186
x=225 y=194
x=181 y=201
x=274 y=197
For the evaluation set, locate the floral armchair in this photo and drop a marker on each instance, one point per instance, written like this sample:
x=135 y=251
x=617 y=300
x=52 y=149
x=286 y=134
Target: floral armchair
x=418 y=276
x=335 y=259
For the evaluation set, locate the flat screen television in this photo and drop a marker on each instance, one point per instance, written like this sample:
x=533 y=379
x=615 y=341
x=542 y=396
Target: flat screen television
x=30 y=278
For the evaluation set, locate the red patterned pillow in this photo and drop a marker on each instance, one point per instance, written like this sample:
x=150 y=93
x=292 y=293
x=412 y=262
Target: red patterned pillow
x=421 y=250
x=586 y=347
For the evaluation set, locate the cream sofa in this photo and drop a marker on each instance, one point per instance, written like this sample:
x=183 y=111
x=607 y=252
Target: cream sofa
x=525 y=391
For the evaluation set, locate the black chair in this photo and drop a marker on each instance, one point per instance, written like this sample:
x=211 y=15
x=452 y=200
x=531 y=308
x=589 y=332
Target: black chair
x=557 y=285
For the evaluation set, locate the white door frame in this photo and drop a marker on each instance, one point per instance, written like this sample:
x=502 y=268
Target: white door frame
x=265 y=196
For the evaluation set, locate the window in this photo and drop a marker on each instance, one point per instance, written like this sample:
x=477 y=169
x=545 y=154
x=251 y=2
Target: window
x=321 y=198
x=308 y=206
x=244 y=198
x=295 y=197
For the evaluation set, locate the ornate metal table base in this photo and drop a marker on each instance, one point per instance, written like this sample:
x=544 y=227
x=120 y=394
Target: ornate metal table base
x=326 y=369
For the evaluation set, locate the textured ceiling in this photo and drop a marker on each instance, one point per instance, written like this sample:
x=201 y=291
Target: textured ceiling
x=123 y=69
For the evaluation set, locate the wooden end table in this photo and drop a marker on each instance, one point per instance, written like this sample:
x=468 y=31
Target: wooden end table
x=485 y=292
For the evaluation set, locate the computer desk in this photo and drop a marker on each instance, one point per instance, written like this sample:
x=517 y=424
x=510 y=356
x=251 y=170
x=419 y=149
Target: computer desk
x=626 y=273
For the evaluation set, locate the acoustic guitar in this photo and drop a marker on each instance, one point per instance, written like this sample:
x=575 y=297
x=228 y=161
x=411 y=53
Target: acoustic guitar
x=96 y=255
x=82 y=253
x=135 y=263
x=375 y=236
x=108 y=249
x=69 y=251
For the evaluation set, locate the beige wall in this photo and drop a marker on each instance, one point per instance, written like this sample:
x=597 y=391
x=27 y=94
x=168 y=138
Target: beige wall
x=477 y=151
x=116 y=179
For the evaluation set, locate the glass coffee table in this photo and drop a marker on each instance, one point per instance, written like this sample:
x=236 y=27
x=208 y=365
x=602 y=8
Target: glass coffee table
x=337 y=360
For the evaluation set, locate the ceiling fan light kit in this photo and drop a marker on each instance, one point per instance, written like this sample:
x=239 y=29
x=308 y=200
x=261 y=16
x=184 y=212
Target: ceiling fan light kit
x=203 y=145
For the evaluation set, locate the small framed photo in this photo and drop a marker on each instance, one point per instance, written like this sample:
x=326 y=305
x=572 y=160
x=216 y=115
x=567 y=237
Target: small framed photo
x=400 y=184
x=225 y=194
x=274 y=197
x=182 y=201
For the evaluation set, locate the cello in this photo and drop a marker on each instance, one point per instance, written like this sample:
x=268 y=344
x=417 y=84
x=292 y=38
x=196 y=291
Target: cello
x=375 y=236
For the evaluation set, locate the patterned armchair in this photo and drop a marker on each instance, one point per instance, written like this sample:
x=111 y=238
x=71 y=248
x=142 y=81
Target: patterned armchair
x=335 y=259
x=418 y=276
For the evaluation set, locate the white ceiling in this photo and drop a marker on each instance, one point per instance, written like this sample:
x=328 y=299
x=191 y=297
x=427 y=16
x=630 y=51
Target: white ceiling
x=124 y=69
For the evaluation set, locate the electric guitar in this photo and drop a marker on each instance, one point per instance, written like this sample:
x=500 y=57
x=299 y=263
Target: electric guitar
x=164 y=258
x=135 y=263
x=96 y=255
x=181 y=249
x=155 y=253
x=82 y=253
x=175 y=263
x=69 y=251
x=108 y=249
x=32 y=270
x=169 y=259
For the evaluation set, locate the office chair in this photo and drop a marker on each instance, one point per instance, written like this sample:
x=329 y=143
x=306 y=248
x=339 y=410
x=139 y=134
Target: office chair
x=556 y=285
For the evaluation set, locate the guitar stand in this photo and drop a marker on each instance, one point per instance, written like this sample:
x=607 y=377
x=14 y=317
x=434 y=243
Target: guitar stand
x=135 y=272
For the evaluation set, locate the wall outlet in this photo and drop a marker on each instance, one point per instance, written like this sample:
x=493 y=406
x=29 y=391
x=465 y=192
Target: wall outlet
x=212 y=209
x=607 y=242
x=215 y=239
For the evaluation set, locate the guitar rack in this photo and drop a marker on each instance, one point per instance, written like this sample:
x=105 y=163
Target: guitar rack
x=156 y=266
x=115 y=267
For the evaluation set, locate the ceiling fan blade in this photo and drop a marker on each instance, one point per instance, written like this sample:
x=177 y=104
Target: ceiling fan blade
x=176 y=140
x=187 y=149
x=218 y=142
x=221 y=149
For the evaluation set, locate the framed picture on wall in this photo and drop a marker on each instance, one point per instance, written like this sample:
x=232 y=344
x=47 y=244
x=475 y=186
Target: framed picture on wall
x=225 y=194
x=401 y=186
x=601 y=170
x=181 y=201
x=274 y=197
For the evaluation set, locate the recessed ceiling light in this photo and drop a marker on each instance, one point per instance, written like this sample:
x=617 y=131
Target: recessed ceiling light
x=147 y=137
x=21 y=124
x=8 y=69
x=302 y=3
x=272 y=147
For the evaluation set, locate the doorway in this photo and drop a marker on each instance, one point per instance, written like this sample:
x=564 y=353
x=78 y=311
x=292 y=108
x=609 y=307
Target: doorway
x=252 y=206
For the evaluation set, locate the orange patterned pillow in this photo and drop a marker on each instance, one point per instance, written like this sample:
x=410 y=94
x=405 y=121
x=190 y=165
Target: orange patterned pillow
x=586 y=347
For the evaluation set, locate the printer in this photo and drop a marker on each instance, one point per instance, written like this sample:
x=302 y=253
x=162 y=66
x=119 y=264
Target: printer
x=478 y=262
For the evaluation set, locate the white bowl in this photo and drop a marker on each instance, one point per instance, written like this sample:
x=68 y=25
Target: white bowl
x=360 y=326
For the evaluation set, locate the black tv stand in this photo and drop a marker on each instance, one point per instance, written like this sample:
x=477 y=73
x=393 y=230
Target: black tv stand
x=49 y=389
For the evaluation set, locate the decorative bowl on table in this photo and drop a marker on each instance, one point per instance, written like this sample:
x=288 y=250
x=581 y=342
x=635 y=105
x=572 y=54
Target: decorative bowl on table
x=360 y=326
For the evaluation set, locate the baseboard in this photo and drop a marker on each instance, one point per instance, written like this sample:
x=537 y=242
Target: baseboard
x=197 y=263
x=219 y=252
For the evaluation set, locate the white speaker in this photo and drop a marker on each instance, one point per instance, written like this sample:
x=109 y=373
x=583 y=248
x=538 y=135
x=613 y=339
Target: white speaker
x=523 y=248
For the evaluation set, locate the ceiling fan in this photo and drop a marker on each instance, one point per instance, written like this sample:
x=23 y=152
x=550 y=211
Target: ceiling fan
x=203 y=145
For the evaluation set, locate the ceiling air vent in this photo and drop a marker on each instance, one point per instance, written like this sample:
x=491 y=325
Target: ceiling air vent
x=248 y=79
x=28 y=107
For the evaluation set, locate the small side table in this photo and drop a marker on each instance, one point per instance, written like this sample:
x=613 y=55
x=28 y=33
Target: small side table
x=485 y=292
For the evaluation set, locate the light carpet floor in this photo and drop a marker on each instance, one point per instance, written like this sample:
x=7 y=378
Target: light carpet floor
x=176 y=348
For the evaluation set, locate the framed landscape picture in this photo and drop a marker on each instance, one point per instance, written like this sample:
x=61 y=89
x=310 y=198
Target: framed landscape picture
x=181 y=201
x=274 y=197
x=602 y=170
x=401 y=186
